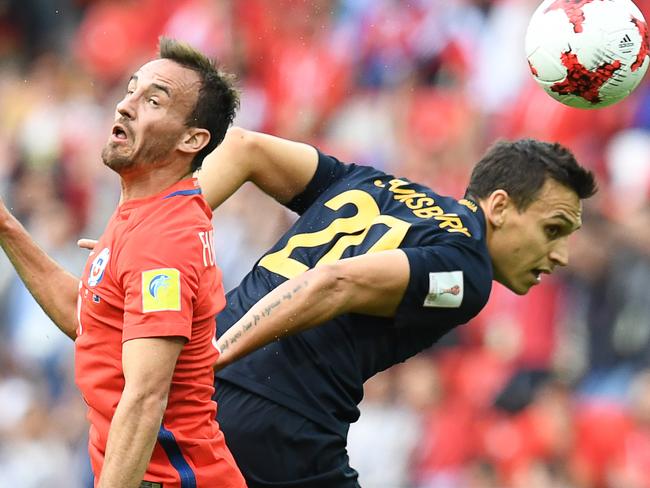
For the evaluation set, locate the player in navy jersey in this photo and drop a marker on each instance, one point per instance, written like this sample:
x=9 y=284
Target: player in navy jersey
x=387 y=267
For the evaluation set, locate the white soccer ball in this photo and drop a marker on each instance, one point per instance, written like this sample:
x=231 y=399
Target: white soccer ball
x=588 y=53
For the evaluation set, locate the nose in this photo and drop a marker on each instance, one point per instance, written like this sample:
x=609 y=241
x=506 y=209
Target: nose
x=126 y=107
x=559 y=255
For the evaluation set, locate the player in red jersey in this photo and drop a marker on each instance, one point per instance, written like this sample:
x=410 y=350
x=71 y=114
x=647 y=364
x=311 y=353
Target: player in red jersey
x=142 y=315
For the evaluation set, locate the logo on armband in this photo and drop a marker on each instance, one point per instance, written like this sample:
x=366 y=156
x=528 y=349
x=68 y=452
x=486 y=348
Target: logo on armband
x=445 y=290
x=161 y=290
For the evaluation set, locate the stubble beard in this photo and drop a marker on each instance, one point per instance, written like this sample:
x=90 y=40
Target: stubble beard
x=114 y=160
x=155 y=152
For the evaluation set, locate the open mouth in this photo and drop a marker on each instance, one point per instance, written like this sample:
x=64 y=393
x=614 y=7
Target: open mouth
x=119 y=133
x=538 y=272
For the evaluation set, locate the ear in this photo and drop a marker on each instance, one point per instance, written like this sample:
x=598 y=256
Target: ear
x=194 y=139
x=496 y=207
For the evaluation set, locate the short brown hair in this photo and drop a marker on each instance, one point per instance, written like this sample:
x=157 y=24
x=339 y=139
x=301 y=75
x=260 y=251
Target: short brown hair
x=218 y=99
x=522 y=167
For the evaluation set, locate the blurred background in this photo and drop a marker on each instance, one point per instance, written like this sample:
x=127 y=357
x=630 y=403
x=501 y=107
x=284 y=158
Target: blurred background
x=548 y=390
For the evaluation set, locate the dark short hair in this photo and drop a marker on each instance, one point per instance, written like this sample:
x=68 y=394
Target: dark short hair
x=522 y=167
x=218 y=99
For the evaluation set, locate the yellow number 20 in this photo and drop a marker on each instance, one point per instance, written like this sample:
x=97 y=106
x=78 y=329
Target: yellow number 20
x=352 y=230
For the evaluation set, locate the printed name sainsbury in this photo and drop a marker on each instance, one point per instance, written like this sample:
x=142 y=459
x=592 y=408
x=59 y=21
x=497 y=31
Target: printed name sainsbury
x=423 y=206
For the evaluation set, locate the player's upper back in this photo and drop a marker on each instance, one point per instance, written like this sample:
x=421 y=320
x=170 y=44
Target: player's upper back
x=350 y=210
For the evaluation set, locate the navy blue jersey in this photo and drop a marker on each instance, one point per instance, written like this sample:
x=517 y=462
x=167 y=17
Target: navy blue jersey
x=348 y=210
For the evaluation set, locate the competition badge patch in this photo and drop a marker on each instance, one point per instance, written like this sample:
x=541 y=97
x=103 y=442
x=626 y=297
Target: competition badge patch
x=161 y=290
x=445 y=290
x=98 y=267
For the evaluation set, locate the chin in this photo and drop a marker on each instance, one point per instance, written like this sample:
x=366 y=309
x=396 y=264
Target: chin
x=522 y=291
x=518 y=289
x=115 y=161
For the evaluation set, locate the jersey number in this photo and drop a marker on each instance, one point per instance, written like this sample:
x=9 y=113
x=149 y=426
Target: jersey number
x=354 y=230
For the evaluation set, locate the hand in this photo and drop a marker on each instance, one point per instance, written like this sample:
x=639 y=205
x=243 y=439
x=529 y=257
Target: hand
x=87 y=244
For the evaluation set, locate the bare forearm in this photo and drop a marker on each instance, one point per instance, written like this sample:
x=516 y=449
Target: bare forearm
x=294 y=306
x=131 y=440
x=52 y=287
x=372 y=284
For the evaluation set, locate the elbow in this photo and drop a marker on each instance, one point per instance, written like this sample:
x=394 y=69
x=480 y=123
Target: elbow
x=234 y=135
x=244 y=148
x=331 y=286
x=148 y=401
x=240 y=140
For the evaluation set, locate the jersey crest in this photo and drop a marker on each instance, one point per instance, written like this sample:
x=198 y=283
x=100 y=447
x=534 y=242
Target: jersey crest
x=98 y=267
x=161 y=290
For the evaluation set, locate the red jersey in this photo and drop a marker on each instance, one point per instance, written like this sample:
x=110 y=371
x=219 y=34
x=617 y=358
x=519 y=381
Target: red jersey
x=152 y=274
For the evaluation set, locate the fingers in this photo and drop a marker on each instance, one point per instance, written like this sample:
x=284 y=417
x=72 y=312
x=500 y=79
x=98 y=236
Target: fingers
x=87 y=244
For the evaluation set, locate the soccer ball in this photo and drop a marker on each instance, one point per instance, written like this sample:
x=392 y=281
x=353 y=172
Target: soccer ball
x=588 y=53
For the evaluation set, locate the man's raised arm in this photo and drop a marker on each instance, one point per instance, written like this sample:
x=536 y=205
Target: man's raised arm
x=52 y=287
x=372 y=284
x=279 y=167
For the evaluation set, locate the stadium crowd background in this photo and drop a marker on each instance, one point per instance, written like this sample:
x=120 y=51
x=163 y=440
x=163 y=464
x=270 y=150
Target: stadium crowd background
x=547 y=391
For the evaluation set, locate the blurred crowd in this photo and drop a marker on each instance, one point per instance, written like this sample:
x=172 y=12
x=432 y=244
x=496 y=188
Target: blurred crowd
x=550 y=390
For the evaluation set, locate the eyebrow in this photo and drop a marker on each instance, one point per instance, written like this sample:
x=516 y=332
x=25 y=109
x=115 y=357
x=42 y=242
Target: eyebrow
x=162 y=88
x=158 y=86
x=567 y=220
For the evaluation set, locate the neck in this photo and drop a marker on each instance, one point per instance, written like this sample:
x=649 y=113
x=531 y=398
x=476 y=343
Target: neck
x=489 y=229
x=488 y=224
x=139 y=183
x=490 y=239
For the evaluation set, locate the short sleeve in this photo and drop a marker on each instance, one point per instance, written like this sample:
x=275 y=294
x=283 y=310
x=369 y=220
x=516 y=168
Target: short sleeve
x=328 y=171
x=160 y=271
x=449 y=284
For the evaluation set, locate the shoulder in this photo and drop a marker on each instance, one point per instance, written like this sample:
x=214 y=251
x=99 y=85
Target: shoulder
x=176 y=212
x=170 y=229
x=455 y=274
x=330 y=172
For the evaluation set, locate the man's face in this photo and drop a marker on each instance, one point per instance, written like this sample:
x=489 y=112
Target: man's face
x=150 y=119
x=535 y=240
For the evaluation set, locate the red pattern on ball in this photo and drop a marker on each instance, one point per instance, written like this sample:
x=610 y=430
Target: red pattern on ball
x=573 y=9
x=645 y=45
x=582 y=82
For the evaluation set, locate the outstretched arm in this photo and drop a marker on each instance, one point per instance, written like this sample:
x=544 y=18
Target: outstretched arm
x=54 y=288
x=372 y=284
x=279 y=167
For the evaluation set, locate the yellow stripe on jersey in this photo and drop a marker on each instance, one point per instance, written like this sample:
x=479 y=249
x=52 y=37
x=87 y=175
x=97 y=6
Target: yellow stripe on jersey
x=161 y=290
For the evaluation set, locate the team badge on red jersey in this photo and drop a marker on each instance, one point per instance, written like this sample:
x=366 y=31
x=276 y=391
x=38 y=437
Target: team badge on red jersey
x=98 y=267
x=161 y=290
